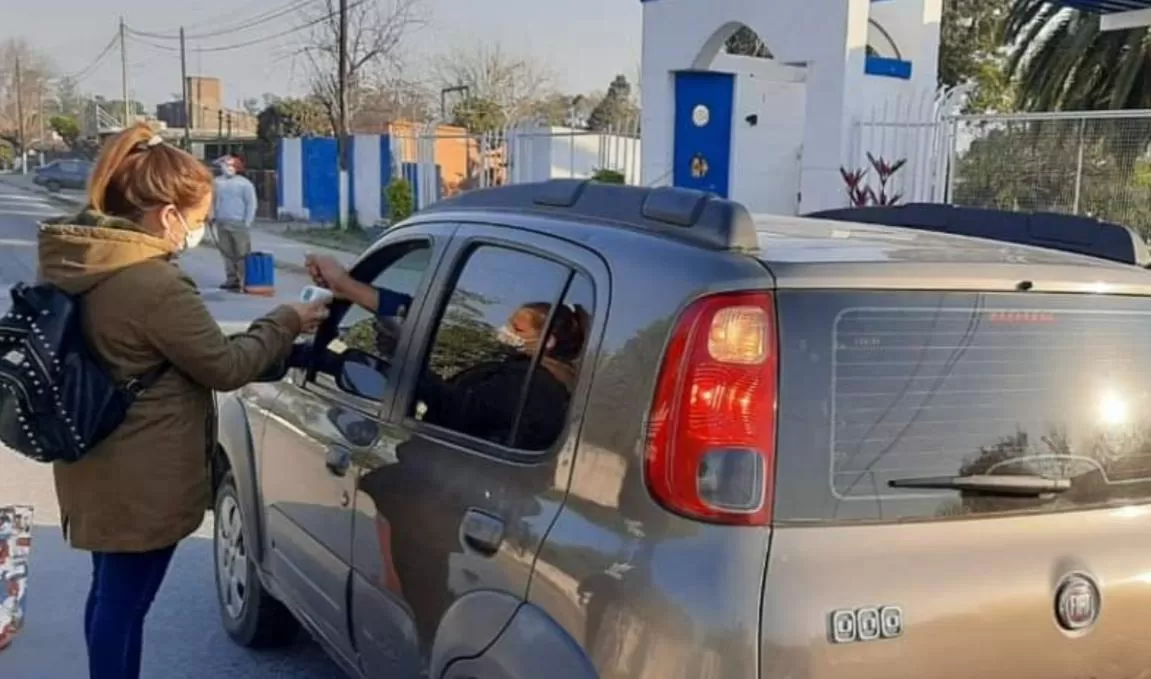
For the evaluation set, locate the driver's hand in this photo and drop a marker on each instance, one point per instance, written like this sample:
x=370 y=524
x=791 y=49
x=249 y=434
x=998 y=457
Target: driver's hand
x=326 y=272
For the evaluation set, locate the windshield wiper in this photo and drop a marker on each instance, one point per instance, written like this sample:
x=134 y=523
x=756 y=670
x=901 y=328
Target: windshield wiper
x=1024 y=485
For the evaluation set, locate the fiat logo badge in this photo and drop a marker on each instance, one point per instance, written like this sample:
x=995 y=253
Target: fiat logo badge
x=1077 y=603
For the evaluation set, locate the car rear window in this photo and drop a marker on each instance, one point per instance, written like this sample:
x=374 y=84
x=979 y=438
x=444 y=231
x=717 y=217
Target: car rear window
x=878 y=386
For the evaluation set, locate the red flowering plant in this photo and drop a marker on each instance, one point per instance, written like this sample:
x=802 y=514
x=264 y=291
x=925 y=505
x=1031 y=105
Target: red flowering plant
x=862 y=194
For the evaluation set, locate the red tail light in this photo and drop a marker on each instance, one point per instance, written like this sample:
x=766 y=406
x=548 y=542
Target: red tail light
x=711 y=431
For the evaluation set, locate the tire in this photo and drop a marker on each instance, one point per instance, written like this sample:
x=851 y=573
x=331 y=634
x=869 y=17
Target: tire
x=249 y=614
x=53 y=186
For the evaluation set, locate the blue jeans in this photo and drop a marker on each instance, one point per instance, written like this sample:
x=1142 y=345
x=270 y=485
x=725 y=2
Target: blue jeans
x=123 y=587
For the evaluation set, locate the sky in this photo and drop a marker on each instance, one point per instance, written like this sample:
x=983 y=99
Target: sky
x=583 y=45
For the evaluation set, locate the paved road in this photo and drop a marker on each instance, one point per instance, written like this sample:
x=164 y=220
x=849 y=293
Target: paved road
x=183 y=637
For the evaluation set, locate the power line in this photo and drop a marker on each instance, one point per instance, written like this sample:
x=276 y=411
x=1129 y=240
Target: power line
x=248 y=43
x=95 y=63
x=244 y=25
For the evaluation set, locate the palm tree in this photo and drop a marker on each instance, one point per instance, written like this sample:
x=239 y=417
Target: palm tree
x=1062 y=61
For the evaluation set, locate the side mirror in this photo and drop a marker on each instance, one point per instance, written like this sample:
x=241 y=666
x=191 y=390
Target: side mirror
x=362 y=374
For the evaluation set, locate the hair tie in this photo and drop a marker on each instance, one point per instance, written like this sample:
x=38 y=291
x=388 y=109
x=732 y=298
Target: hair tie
x=156 y=140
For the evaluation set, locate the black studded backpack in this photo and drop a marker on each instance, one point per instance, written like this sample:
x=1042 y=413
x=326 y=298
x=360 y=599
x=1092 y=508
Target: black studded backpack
x=57 y=398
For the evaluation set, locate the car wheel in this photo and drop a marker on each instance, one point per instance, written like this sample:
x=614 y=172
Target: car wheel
x=250 y=615
x=53 y=185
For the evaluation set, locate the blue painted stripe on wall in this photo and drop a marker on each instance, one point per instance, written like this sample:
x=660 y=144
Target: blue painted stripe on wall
x=887 y=68
x=321 y=178
x=385 y=172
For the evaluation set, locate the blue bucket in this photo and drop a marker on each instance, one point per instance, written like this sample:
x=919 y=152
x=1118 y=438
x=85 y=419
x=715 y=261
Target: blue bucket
x=260 y=274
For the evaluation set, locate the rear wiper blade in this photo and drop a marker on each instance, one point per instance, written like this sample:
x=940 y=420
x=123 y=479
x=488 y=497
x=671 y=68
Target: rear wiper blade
x=1025 y=485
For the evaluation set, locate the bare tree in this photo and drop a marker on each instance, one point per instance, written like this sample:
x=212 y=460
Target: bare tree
x=392 y=99
x=35 y=73
x=492 y=75
x=377 y=31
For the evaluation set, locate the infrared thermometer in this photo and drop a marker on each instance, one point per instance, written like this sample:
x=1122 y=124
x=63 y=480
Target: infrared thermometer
x=312 y=293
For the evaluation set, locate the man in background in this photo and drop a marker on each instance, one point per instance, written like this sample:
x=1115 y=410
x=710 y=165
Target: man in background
x=233 y=209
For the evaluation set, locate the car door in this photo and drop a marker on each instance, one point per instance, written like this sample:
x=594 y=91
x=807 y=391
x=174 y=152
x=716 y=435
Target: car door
x=455 y=506
x=69 y=174
x=316 y=427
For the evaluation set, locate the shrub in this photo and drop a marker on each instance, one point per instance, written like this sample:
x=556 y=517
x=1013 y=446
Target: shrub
x=861 y=194
x=608 y=176
x=401 y=201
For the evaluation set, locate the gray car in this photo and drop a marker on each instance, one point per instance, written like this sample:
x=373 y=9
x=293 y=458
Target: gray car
x=639 y=433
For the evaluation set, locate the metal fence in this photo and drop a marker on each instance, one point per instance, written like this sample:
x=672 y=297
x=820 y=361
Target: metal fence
x=1094 y=163
x=1086 y=163
x=907 y=128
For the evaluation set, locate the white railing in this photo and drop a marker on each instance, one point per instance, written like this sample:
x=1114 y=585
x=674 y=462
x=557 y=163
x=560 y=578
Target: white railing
x=441 y=160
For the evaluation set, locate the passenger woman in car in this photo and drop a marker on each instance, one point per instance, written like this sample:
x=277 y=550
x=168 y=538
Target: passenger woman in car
x=482 y=400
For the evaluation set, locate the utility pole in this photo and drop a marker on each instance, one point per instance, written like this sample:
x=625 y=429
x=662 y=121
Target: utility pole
x=20 y=116
x=184 y=93
x=342 y=133
x=124 y=72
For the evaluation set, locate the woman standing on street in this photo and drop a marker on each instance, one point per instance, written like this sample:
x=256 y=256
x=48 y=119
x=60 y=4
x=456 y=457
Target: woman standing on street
x=146 y=487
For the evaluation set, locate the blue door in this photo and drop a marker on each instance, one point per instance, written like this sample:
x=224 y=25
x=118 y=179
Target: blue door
x=702 y=146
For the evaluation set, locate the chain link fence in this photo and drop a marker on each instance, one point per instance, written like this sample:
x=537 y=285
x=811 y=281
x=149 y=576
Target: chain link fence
x=1086 y=163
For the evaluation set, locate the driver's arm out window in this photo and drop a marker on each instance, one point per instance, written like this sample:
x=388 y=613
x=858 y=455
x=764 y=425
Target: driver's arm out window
x=378 y=333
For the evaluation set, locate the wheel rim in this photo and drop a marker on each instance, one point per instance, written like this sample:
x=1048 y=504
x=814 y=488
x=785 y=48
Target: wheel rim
x=231 y=558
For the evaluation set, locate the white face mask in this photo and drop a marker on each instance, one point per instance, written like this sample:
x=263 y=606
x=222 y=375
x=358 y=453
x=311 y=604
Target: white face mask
x=508 y=337
x=228 y=171
x=192 y=237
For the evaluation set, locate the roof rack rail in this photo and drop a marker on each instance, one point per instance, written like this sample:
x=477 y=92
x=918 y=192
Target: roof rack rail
x=686 y=215
x=1068 y=233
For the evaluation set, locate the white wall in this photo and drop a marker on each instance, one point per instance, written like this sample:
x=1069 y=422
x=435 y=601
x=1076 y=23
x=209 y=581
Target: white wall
x=828 y=36
x=291 y=177
x=563 y=152
x=766 y=158
x=367 y=186
x=914 y=27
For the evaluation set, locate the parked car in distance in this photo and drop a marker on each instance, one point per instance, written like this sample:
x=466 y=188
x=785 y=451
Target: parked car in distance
x=63 y=174
x=635 y=433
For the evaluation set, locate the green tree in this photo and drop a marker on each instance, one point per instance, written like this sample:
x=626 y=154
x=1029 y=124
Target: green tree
x=479 y=115
x=616 y=107
x=745 y=42
x=69 y=101
x=464 y=338
x=1036 y=166
x=66 y=127
x=971 y=53
x=1069 y=64
x=7 y=153
x=292 y=118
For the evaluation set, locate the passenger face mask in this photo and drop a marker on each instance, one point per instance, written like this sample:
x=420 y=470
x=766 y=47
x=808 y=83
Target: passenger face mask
x=509 y=338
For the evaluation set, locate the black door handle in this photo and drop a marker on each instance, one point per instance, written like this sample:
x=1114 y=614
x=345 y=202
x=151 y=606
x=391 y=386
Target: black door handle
x=338 y=460
x=482 y=532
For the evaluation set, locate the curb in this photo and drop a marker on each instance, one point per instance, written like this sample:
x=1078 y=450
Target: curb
x=64 y=200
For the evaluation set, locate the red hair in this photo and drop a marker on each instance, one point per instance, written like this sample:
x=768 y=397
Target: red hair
x=136 y=172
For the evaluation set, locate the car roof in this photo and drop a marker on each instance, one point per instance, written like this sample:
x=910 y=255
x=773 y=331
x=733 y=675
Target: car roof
x=819 y=241
x=816 y=253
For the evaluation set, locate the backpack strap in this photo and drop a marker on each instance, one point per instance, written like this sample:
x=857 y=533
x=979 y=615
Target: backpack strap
x=139 y=384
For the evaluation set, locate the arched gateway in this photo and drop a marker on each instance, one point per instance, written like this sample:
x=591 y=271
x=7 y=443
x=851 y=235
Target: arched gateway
x=773 y=133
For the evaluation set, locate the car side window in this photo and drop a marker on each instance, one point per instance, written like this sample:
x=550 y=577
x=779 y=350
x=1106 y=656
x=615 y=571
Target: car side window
x=505 y=354
x=377 y=333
